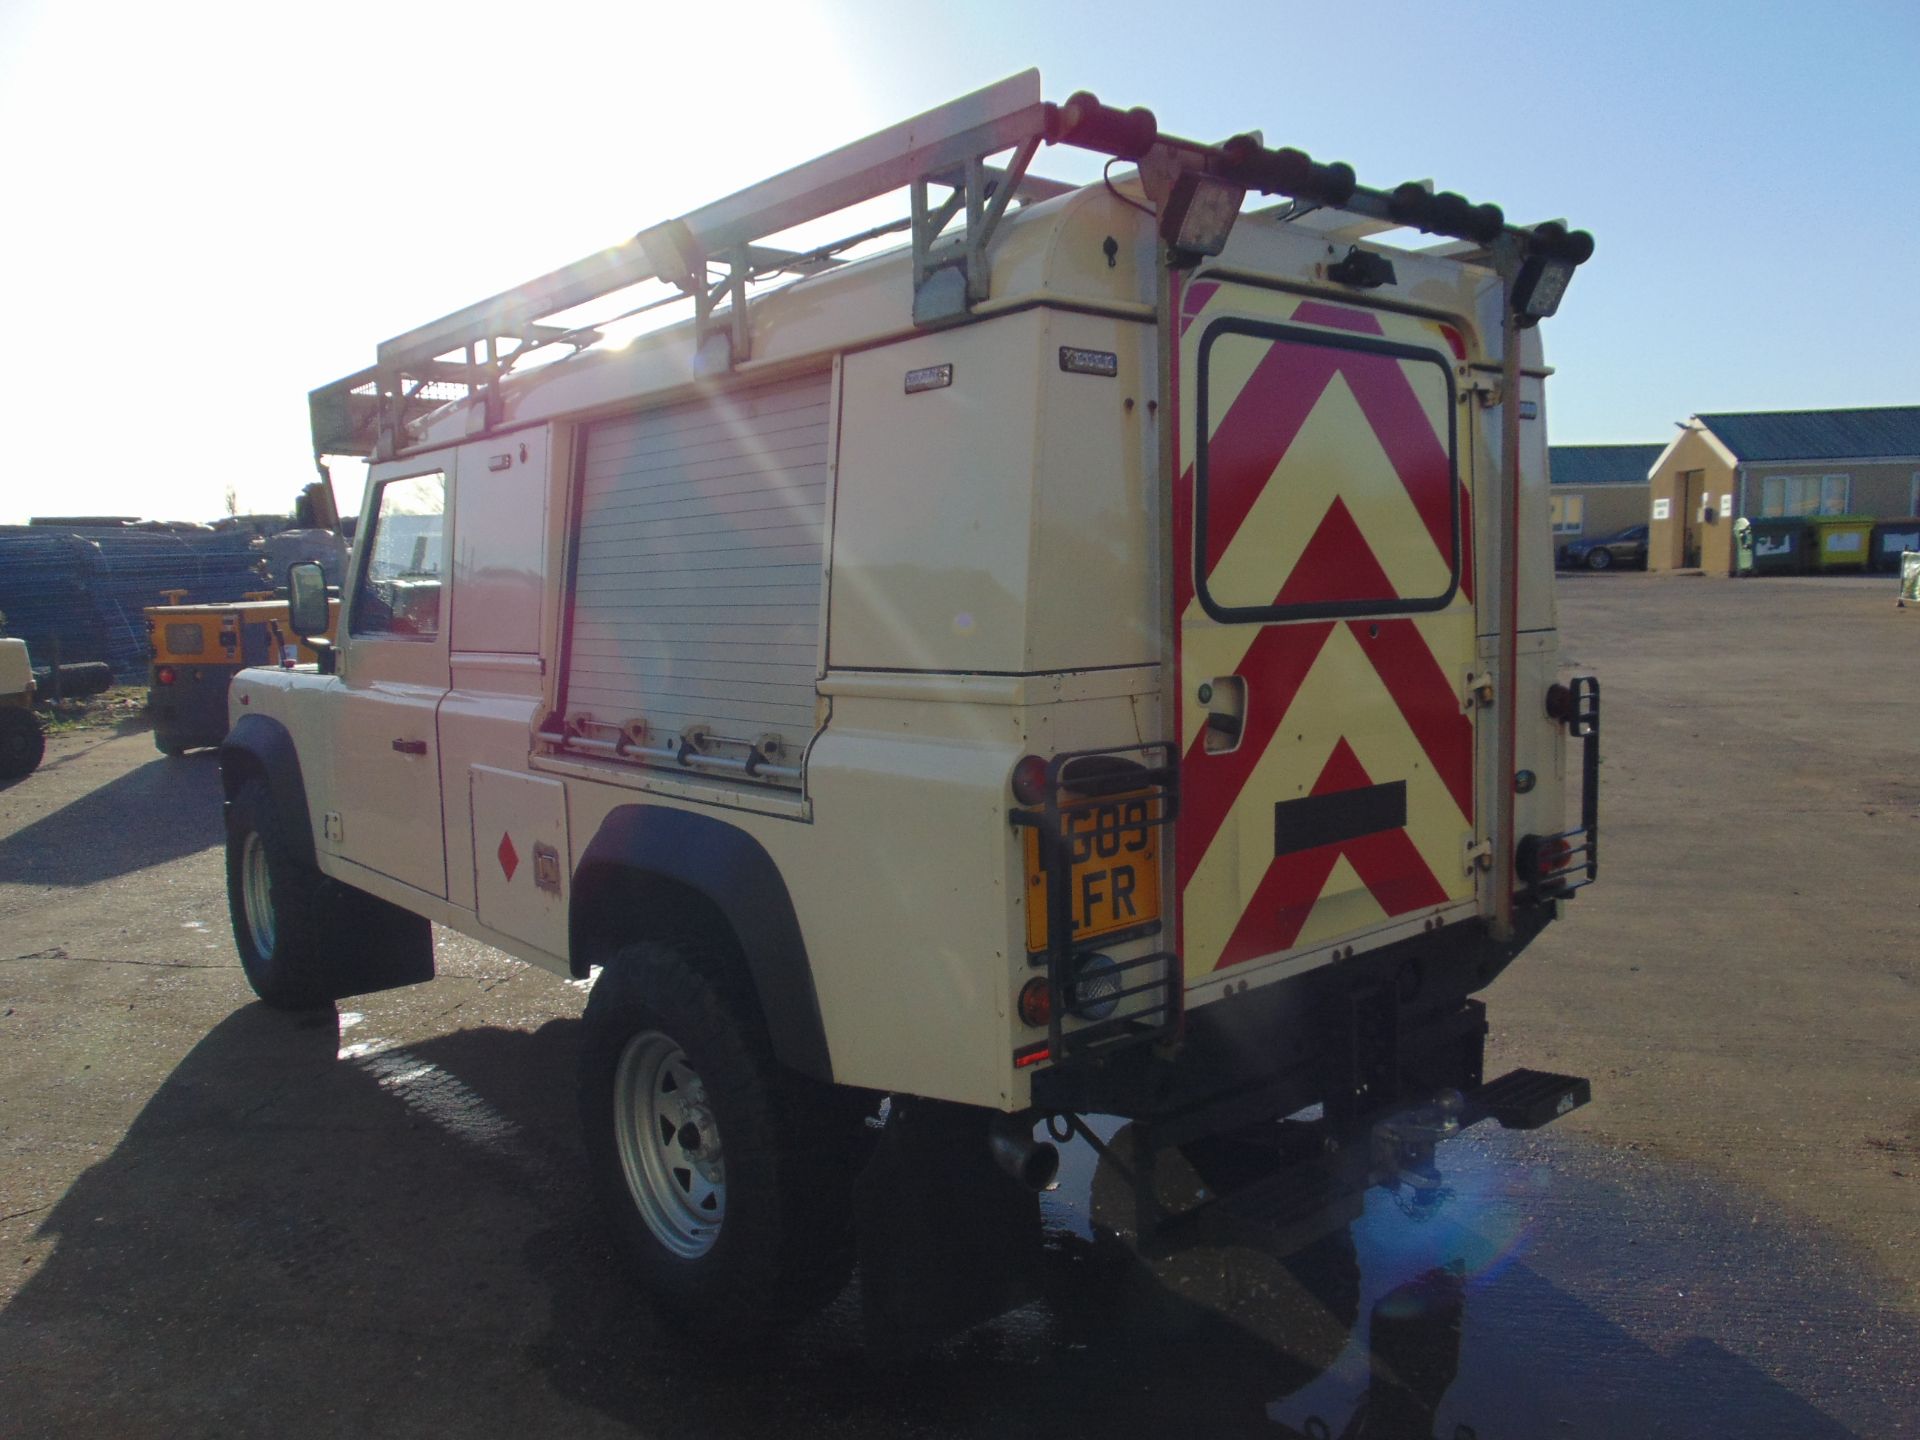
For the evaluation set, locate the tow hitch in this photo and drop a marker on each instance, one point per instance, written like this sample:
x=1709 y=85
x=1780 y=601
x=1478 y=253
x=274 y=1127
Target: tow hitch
x=1403 y=1144
x=1284 y=1186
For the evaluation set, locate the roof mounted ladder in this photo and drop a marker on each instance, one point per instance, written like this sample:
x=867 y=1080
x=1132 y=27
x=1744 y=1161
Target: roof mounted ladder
x=369 y=412
x=945 y=146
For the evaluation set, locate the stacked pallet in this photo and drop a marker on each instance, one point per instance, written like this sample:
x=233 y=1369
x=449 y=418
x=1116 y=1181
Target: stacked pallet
x=85 y=586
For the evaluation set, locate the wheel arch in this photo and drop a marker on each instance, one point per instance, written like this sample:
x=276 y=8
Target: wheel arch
x=259 y=746
x=660 y=869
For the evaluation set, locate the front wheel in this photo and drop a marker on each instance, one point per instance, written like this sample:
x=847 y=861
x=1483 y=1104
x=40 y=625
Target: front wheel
x=275 y=904
x=1599 y=559
x=725 y=1178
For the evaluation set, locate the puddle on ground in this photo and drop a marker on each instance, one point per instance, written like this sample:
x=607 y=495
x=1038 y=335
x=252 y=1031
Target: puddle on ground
x=1554 y=1288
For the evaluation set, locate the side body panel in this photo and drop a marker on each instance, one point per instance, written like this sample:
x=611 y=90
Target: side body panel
x=520 y=877
x=999 y=523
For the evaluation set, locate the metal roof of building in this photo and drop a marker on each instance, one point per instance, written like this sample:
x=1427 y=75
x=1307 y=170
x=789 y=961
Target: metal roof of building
x=1601 y=464
x=1886 y=430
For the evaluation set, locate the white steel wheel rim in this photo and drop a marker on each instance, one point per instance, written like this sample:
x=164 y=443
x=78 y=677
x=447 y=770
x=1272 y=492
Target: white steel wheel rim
x=256 y=894
x=669 y=1145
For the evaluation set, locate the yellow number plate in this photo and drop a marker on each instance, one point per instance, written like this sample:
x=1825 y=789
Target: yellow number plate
x=1115 y=874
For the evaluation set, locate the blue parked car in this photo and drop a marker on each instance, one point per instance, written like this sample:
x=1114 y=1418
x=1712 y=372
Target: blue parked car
x=1603 y=552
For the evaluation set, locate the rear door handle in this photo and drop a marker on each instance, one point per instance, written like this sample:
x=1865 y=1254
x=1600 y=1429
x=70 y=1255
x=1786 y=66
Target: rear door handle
x=411 y=747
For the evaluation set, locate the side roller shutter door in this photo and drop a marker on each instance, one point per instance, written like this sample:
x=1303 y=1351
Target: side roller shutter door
x=697 y=590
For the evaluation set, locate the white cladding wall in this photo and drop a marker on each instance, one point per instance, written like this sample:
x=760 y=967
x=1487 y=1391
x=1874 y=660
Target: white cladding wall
x=697 y=591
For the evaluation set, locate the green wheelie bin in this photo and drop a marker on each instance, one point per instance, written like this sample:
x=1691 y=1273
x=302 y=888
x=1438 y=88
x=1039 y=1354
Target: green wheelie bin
x=1779 y=545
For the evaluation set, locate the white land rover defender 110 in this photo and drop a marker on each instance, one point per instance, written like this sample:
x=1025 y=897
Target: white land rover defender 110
x=1097 y=657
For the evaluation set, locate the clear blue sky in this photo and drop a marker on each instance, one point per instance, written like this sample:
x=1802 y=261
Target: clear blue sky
x=211 y=208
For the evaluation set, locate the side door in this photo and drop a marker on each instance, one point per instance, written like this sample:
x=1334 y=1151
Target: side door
x=394 y=676
x=1325 y=630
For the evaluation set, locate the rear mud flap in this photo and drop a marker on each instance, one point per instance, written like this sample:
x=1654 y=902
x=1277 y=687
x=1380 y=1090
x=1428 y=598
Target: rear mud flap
x=946 y=1238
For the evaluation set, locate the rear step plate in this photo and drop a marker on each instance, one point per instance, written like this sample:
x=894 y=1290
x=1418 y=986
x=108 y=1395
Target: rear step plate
x=1527 y=1099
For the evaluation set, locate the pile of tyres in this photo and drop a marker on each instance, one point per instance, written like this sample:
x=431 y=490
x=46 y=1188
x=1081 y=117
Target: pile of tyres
x=77 y=592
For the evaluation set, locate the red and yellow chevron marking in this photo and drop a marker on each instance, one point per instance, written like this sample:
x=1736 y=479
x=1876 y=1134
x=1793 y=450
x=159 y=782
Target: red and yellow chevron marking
x=1328 y=479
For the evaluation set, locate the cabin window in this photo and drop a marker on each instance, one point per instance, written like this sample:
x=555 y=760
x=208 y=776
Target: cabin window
x=399 y=592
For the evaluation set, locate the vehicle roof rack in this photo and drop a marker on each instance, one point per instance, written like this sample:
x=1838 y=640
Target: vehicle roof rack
x=470 y=351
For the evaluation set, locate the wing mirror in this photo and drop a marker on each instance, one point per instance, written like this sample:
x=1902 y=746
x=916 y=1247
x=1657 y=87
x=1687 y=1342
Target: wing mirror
x=307 y=609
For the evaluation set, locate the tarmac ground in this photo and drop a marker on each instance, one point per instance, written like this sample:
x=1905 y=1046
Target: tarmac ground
x=217 y=1219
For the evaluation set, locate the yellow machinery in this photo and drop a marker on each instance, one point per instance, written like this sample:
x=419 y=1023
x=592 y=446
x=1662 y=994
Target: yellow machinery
x=197 y=649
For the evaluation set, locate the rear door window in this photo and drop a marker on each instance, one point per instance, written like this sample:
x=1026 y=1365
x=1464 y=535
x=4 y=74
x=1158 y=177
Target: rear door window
x=1326 y=479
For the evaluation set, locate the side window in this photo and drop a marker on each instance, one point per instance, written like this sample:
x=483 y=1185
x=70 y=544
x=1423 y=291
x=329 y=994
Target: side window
x=399 y=592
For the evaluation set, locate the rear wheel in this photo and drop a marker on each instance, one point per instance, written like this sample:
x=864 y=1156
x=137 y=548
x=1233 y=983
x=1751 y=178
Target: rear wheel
x=725 y=1178
x=1601 y=559
x=23 y=744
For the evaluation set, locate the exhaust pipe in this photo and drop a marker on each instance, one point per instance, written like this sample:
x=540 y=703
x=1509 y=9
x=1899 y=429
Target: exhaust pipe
x=1032 y=1162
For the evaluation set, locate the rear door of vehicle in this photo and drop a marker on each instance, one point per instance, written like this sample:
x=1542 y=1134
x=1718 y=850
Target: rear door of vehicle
x=1324 y=617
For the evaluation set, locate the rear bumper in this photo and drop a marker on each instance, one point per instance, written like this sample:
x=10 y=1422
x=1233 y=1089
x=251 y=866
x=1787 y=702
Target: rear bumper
x=1279 y=1048
x=1297 y=1187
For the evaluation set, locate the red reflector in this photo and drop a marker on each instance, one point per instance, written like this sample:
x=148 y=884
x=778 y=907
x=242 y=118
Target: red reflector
x=164 y=675
x=1030 y=780
x=1032 y=1055
x=1455 y=342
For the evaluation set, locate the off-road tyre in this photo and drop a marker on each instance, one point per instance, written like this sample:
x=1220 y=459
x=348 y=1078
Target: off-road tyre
x=276 y=902
x=1601 y=559
x=787 y=1147
x=23 y=744
x=169 y=746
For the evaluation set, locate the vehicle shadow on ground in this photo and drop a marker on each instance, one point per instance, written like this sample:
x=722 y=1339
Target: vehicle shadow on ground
x=166 y=809
x=303 y=1236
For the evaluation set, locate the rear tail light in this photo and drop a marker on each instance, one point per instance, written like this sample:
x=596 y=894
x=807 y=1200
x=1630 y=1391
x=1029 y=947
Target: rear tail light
x=1540 y=856
x=1030 y=780
x=164 y=675
x=1036 y=1003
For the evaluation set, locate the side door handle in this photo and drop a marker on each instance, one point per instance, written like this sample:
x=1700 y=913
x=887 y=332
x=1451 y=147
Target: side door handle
x=411 y=747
